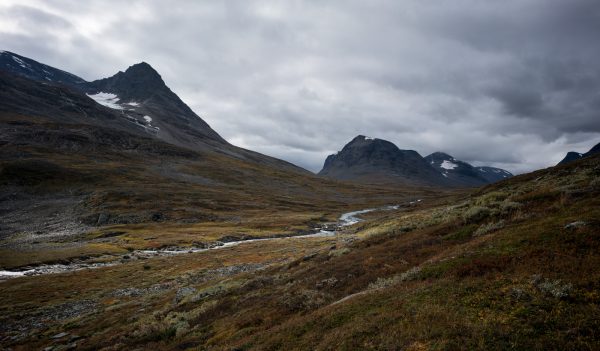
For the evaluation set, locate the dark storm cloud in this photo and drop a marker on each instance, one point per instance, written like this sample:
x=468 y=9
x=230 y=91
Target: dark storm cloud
x=509 y=83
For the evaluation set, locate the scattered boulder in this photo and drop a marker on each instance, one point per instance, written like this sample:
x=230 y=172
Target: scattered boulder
x=183 y=292
x=576 y=224
x=325 y=283
x=103 y=218
x=310 y=256
x=60 y=335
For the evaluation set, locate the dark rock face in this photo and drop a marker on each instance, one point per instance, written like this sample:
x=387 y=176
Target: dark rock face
x=138 y=82
x=574 y=156
x=376 y=160
x=143 y=87
x=58 y=103
x=594 y=150
x=458 y=172
x=461 y=173
x=570 y=157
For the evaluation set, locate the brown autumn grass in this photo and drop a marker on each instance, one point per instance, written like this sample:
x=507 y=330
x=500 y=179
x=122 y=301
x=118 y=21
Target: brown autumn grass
x=498 y=269
x=495 y=269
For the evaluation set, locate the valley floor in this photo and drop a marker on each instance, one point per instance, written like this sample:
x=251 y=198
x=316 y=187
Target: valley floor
x=509 y=266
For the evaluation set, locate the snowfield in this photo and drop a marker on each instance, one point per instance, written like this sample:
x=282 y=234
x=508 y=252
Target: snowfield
x=448 y=165
x=106 y=99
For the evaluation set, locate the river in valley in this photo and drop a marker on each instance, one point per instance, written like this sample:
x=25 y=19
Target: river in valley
x=345 y=220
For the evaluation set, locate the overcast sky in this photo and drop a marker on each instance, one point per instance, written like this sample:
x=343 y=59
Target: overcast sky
x=513 y=83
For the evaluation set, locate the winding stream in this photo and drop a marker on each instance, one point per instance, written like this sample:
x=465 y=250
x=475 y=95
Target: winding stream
x=345 y=220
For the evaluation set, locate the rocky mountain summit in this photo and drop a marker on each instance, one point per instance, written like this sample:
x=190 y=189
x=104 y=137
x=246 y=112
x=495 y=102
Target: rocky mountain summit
x=375 y=160
x=141 y=89
x=136 y=101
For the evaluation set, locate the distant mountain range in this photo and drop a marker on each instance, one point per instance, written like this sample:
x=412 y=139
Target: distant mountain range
x=574 y=156
x=380 y=161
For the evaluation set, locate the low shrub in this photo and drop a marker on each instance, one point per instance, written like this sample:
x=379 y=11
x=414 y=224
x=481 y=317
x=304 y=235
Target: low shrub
x=476 y=214
x=492 y=198
x=554 y=288
x=465 y=232
x=509 y=207
x=381 y=283
x=339 y=252
x=489 y=227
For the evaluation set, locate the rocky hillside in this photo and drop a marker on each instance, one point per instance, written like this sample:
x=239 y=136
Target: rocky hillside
x=376 y=160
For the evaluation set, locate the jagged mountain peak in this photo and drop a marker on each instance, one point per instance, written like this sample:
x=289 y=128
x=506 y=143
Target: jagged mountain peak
x=143 y=72
x=138 y=82
x=142 y=67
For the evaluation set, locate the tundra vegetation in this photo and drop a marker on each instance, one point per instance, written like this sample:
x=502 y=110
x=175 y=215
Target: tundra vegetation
x=510 y=265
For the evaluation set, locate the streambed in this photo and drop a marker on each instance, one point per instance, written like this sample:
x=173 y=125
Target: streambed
x=345 y=220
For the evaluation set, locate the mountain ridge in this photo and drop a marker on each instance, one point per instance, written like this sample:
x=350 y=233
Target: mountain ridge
x=574 y=156
x=32 y=69
x=462 y=173
x=376 y=160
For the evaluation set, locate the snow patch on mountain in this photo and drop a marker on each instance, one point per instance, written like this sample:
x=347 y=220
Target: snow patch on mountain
x=106 y=99
x=21 y=63
x=448 y=165
x=148 y=119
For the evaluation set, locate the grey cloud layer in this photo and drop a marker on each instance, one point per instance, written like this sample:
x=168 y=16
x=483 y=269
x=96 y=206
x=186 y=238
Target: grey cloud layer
x=514 y=84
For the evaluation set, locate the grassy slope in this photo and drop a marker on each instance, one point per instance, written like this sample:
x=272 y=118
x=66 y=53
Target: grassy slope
x=530 y=283
x=494 y=270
